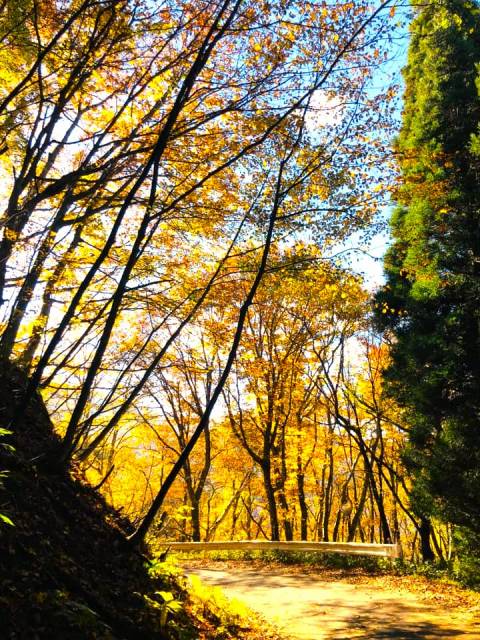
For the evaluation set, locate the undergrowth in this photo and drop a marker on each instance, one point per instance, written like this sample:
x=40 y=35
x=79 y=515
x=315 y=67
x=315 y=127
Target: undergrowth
x=308 y=558
x=225 y=618
x=463 y=569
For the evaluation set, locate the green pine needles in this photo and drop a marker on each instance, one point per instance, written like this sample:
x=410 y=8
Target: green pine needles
x=431 y=301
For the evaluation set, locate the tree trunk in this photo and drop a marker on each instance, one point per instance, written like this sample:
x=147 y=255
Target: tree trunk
x=195 y=515
x=424 y=531
x=353 y=526
x=303 y=505
x=328 y=495
x=272 y=504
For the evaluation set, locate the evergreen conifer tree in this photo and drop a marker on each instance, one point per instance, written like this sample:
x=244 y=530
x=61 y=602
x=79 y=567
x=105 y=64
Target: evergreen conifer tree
x=431 y=300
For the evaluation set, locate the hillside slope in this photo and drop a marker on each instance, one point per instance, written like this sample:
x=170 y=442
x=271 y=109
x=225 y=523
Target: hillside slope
x=65 y=571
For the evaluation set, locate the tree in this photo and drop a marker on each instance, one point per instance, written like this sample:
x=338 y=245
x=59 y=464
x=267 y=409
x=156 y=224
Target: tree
x=430 y=301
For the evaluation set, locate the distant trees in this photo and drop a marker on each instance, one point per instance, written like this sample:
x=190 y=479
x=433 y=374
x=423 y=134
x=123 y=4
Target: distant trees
x=304 y=445
x=274 y=400
x=430 y=302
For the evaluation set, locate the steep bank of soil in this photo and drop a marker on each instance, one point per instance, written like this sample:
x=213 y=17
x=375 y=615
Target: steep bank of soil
x=65 y=571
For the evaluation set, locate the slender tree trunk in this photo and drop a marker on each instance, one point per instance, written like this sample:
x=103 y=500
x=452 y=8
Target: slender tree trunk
x=436 y=544
x=47 y=302
x=302 y=504
x=27 y=289
x=248 y=523
x=354 y=524
x=195 y=515
x=328 y=495
x=287 y=523
x=336 y=526
x=271 y=502
x=424 y=531
x=384 y=526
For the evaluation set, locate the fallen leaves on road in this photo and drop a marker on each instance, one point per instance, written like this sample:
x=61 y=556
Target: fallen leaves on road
x=440 y=592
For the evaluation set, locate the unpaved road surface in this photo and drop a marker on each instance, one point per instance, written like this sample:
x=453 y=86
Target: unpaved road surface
x=307 y=605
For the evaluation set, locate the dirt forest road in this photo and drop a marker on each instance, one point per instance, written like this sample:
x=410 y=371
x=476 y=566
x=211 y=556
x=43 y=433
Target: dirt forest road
x=334 y=605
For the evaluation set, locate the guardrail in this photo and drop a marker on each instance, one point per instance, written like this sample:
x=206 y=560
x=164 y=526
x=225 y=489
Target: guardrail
x=351 y=548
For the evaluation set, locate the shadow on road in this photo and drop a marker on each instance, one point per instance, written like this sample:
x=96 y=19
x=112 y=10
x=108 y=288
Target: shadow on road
x=305 y=607
x=392 y=621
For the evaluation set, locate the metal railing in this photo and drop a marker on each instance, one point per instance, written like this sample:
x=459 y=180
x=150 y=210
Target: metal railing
x=351 y=548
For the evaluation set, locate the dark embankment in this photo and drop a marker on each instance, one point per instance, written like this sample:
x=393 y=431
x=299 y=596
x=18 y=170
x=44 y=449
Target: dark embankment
x=65 y=571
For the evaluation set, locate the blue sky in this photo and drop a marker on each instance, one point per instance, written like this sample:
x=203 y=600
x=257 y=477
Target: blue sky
x=366 y=256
